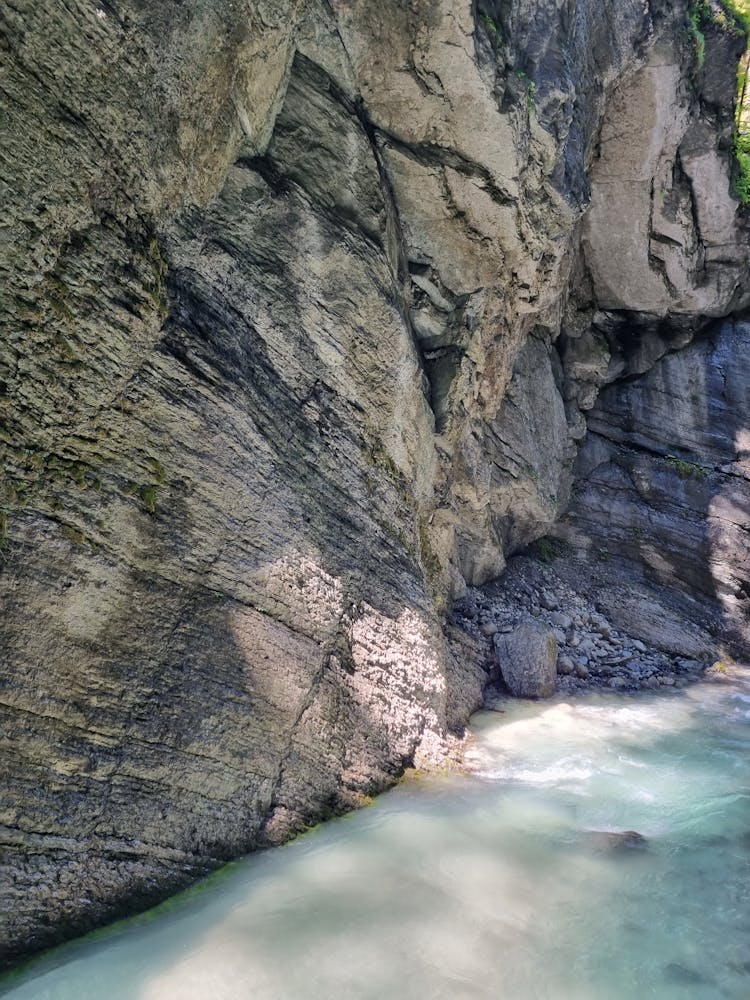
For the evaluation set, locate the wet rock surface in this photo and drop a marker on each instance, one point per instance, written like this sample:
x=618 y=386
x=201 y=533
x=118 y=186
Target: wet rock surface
x=617 y=840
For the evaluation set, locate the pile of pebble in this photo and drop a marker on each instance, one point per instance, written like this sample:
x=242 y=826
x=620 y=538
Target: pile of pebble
x=591 y=651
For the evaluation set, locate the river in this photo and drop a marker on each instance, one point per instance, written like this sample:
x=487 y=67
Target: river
x=499 y=883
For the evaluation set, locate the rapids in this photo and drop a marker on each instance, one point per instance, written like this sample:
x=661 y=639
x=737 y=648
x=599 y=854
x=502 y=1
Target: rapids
x=498 y=883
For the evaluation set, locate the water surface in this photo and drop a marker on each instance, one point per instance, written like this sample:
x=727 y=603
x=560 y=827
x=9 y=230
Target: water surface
x=488 y=885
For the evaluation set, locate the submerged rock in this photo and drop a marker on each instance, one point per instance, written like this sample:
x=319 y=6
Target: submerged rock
x=527 y=658
x=625 y=840
x=684 y=975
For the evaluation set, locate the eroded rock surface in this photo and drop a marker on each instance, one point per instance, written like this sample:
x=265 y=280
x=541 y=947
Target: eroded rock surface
x=303 y=315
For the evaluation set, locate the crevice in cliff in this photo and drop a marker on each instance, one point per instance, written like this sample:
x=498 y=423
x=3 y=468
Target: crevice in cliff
x=398 y=256
x=429 y=154
x=683 y=178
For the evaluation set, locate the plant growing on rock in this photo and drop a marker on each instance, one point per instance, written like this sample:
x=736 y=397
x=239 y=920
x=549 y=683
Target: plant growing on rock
x=148 y=495
x=548 y=549
x=687 y=470
x=739 y=11
x=732 y=16
x=696 y=19
x=742 y=157
x=492 y=29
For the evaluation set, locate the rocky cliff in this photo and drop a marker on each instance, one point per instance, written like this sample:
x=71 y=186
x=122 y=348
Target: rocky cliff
x=308 y=309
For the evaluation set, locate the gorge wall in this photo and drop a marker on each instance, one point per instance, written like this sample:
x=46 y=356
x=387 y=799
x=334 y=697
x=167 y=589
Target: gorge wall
x=314 y=314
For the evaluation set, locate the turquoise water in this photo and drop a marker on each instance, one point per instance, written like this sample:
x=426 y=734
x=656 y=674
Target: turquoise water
x=489 y=885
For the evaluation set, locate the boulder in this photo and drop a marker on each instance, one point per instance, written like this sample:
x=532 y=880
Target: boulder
x=527 y=658
x=617 y=683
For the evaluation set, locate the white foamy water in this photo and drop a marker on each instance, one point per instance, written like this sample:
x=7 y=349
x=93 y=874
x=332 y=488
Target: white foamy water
x=489 y=885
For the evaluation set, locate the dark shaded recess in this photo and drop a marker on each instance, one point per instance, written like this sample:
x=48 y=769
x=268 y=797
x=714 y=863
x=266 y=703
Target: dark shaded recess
x=671 y=439
x=273 y=176
x=441 y=367
x=628 y=332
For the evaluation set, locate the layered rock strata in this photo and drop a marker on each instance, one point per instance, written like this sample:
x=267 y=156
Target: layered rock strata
x=303 y=314
x=662 y=505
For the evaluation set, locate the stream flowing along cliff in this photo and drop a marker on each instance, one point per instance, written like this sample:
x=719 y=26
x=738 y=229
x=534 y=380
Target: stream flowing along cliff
x=314 y=314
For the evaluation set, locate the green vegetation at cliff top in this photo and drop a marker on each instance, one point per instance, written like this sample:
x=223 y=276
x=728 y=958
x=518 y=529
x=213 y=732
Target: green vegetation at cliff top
x=741 y=11
x=733 y=15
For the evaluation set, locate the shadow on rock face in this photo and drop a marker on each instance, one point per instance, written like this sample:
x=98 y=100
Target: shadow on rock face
x=663 y=499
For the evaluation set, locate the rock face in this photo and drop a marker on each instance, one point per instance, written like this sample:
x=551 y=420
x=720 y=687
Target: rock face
x=306 y=307
x=527 y=657
x=664 y=488
x=657 y=186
